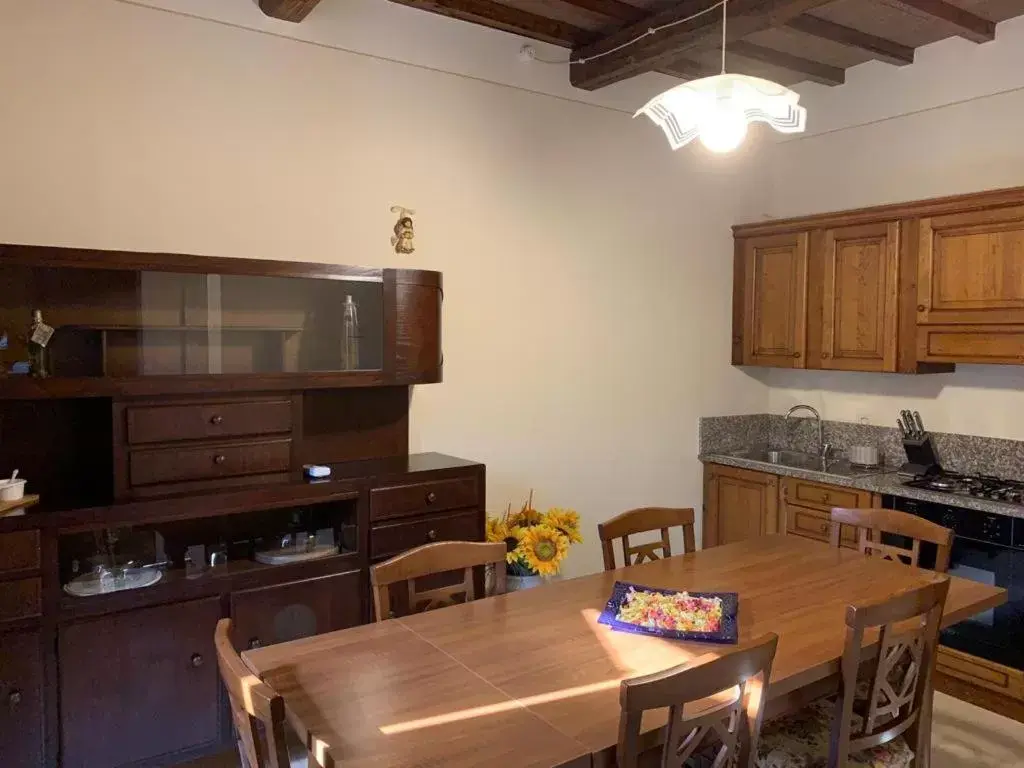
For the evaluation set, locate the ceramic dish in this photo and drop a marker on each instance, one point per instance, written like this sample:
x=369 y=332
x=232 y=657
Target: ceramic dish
x=723 y=614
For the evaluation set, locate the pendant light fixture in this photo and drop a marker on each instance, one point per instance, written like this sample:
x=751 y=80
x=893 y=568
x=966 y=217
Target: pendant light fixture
x=718 y=109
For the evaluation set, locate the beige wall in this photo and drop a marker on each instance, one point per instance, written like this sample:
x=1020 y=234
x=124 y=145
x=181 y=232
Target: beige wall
x=952 y=122
x=587 y=267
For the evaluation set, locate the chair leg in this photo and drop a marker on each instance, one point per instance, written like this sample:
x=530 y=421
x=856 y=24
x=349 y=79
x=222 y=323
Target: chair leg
x=241 y=755
x=919 y=737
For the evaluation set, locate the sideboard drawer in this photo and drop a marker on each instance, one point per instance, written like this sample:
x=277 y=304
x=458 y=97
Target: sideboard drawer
x=19 y=551
x=166 y=423
x=816 y=524
x=168 y=465
x=414 y=499
x=392 y=538
x=21 y=599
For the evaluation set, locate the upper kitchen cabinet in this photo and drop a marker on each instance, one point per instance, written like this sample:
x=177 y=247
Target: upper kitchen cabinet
x=116 y=323
x=858 y=292
x=971 y=286
x=770 y=301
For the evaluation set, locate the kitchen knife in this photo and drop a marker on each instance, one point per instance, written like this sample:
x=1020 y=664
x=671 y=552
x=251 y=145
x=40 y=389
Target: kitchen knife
x=903 y=429
x=908 y=423
x=919 y=424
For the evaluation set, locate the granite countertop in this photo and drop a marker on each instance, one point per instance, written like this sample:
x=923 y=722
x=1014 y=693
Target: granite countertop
x=886 y=482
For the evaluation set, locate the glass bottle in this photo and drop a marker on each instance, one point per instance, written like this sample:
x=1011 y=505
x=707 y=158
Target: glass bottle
x=350 y=336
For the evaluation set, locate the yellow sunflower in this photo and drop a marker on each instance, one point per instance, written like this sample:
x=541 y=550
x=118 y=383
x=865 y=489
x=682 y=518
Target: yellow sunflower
x=542 y=548
x=525 y=516
x=565 y=520
x=497 y=529
x=513 y=540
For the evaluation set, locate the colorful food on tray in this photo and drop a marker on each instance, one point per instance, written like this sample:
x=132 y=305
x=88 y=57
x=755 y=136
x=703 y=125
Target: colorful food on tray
x=679 y=611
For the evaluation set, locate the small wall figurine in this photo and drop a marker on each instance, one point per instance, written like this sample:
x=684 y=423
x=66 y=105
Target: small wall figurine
x=402 y=239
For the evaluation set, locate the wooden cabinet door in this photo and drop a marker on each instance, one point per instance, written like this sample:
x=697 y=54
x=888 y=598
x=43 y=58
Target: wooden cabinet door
x=775 y=300
x=282 y=612
x=738 y=504
x=859 y=266
x=417 y=327
x=21 y=700
x=140 y=686
x=971 y=268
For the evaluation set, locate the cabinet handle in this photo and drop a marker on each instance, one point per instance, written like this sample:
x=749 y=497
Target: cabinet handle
x=827 y=499
x=796 y=354
x=921 y=307
x=432 y=535
x=14 y=698
x=197 y=660
x=220 y=458
x=216 y=419
x=255 y=643
x=431 y=497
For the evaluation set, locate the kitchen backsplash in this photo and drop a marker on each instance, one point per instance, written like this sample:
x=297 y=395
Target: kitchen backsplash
x=957 y=453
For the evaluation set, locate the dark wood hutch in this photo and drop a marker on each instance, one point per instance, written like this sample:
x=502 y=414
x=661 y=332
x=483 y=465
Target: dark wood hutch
x=182 y=398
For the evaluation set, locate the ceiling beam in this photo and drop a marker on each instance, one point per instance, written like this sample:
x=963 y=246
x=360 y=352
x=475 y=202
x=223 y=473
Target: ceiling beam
x=814 y=71
x=288 y=10
x=654 y=51
x=879 y=47
x=612 y=9
x=969 y=25
x=505 y=18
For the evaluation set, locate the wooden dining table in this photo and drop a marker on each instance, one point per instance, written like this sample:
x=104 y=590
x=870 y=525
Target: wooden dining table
x=531 y=678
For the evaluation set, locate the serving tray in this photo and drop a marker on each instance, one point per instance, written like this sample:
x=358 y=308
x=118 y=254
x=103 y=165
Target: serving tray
x=728 y=633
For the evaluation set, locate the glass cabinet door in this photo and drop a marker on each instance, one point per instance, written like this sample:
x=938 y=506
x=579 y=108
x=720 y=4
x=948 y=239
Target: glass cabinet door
x=122 y=323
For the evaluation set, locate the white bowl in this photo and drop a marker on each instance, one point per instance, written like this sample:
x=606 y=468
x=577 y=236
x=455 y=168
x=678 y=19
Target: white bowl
x=12 y=491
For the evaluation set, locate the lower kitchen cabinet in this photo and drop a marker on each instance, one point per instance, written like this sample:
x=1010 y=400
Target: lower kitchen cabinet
x=283 y=612
x=21 y=700
x=806 y=507
x=738 y=504
x=139 y=687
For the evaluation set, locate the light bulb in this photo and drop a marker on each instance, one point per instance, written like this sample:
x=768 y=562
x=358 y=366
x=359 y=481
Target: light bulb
x=723 y=127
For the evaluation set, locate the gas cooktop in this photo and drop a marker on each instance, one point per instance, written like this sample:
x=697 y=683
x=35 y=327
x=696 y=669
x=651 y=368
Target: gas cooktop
x=982 y=486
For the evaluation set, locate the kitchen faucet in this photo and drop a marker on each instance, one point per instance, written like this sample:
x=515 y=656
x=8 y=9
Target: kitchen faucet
x=824 y=449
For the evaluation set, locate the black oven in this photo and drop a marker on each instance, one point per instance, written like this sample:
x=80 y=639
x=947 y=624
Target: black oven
x=987 y=548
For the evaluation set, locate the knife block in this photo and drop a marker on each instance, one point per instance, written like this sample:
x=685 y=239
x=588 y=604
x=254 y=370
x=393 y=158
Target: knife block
x=921 y=456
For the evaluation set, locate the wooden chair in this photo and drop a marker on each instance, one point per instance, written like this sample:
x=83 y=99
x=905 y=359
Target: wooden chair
x=872 y=523
x=733 y=724
x=644 y=520
x=871 y=720
x=257 y=710
x=431 y=559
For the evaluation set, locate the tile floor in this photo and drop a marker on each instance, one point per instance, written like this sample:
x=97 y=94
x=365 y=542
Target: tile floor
x=963 y=736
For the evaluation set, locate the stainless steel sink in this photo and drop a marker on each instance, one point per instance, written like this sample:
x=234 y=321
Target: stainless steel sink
x=800 y=460
x=784 y=458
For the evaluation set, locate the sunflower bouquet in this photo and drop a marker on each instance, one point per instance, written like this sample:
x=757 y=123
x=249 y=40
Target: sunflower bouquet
x=537 y=542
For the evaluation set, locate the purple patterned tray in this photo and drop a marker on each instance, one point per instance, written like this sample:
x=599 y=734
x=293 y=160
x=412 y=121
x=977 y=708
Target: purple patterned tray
x=729 y=633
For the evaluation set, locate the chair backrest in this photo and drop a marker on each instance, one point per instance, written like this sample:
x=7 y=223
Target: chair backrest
x=872 y=523
x=253 y=702
x=644 y=520
x=901 y=679
x=432 y=559
x=734 y=724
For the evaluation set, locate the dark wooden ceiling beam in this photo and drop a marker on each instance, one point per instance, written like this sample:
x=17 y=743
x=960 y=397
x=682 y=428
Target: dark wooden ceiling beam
x=814 y=71
x=969 y=25
x=613 y=9
x=288 y=10
x=879 y=47
x=745 y=18
x=505 y=18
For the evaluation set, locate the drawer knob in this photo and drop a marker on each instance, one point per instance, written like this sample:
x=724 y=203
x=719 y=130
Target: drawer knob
x=827 y=499
x=921 y=307
x=796 y=354
x=14 y=698
x=197 y=660
x=220 y=458
x=216 y=420
x=255 y=643
x=432 y=535
x=431 y=497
